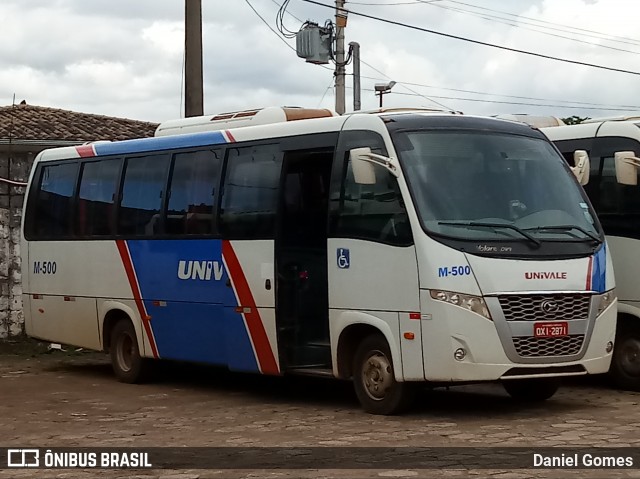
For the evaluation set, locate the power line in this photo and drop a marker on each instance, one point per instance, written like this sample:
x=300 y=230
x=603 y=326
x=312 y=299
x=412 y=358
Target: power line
x=476 y=92
x=504 y=21
x=519 y=18
x=269 y=26
x=403 y=84
x=276 y=33
x=479 y=100
x=631 y=41
x=478 y=42
x=375 y=69
x=326 y=90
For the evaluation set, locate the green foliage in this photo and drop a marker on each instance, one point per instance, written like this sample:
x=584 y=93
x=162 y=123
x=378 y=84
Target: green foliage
x=574 y=120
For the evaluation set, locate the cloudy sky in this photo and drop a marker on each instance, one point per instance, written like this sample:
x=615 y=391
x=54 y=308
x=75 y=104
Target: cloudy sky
x=125 y=57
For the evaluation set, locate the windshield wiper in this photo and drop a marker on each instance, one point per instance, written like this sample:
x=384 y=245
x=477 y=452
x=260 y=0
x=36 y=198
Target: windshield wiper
x=492 y=225
x=566 y=228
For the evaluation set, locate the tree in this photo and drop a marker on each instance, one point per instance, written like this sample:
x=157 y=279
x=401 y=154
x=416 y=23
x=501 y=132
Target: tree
x=574 y=120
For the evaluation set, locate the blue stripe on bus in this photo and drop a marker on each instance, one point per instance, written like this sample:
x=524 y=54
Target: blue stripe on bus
x=599 y=271
x=183 y=284
x=142 y=145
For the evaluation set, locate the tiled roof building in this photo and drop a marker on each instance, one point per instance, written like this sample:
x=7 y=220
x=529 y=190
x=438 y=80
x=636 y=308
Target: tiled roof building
x=28 y=123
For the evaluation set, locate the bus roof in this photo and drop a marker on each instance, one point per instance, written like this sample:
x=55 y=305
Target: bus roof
x=269 y=130
x=238 y=119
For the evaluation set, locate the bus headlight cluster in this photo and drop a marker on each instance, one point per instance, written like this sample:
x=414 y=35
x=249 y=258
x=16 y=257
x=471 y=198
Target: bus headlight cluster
x=466 y=301
x=604 y=300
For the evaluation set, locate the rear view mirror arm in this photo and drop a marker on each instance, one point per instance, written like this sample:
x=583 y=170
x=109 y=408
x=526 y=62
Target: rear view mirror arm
x=382 y=161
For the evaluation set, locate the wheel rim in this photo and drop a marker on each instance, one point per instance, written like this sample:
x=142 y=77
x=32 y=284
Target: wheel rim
x=630 y=356
x=125 y=352
x=377 y=375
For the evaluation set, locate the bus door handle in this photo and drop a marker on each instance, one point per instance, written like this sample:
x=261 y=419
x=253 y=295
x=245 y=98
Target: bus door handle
x=267 y=284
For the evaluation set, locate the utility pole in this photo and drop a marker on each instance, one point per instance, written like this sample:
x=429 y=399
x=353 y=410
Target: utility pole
x=193 y=89
x=341 y=23
x=355 y=51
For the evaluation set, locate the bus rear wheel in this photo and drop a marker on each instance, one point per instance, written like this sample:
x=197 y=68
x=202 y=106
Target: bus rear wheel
x=374 y=380
x=625 y=363
x=128 y=366
x=531 y=390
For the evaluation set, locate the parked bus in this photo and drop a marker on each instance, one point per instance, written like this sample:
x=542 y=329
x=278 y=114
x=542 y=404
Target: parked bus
x=394 y=249
x=612 y=145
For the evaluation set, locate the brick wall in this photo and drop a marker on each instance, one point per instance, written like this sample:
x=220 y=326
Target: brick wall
x=14 y=166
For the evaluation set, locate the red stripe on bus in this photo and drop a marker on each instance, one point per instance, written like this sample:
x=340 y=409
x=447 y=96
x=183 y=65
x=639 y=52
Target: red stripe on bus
x=589 y=268
x=264 y=354
x=230 y=136
x=86 y=151
x=135 y=289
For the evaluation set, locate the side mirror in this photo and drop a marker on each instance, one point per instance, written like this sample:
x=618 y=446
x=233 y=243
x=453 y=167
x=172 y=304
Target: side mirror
x=582 y=166
x=363 y=171
x=362 y=161
x=627 y=167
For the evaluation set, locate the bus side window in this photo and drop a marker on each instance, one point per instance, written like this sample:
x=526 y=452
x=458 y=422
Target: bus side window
x=615 y=201
x=194 y=183
x=98 y=185
x=372 y=212
x=250 y=194
x=142 y=195
x=54 y=201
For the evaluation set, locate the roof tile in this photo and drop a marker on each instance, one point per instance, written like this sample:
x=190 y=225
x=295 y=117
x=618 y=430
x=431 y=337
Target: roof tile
x=38 y=123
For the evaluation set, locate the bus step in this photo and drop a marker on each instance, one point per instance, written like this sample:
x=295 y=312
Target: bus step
x=312 y=370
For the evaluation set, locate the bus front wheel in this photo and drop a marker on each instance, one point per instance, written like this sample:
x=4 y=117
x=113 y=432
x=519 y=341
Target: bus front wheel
x=374 y=380
x=128 y=365
x=625 y=363
x=531 y=390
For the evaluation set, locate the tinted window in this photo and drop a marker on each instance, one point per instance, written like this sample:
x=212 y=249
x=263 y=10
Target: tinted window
x=142 y=194
x=192 y=192
x=462 y=176
x=618 y=206
x=250 y=195
x=372 y=212
x=54 y=201
x=96 y=198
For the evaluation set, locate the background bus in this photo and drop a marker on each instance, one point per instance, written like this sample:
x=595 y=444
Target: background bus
x=392 y=248
x=618 y=207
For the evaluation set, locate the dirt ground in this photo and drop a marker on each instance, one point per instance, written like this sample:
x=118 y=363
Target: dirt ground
x=70 y=399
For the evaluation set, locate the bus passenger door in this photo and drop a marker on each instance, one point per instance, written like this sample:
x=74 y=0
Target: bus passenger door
x=247 y=223
x=301 y=257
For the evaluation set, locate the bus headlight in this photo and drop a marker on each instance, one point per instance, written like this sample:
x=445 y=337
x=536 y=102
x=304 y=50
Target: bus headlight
x=466 y=301
x=604 y=300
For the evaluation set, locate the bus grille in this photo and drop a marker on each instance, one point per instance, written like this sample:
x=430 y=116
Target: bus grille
x=549 y=307
x=531 y=347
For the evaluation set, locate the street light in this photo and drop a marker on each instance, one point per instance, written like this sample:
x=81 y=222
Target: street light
x=382 y=88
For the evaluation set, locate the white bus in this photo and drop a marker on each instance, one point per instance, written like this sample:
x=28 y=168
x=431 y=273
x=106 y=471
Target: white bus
x=393 y=249
x=612 y=144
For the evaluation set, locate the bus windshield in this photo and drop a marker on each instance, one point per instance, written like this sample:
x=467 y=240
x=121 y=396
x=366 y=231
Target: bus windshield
x=474 y=185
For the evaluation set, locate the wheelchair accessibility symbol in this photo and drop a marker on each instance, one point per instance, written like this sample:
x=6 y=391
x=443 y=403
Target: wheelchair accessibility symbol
x=343 y=258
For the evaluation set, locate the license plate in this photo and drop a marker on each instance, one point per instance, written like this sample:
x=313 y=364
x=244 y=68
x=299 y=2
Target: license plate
x=550 y=330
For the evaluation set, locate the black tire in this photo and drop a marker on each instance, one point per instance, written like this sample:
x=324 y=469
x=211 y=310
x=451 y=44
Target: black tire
x=625 y=363
x=374 y=380
x=128 y=366
x=531 y=390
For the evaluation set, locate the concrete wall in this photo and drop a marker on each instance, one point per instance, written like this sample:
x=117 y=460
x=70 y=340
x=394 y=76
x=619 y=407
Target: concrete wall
x=14 y=166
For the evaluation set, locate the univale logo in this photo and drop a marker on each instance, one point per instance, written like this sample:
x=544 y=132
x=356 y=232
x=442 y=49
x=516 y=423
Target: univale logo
x=545 y=275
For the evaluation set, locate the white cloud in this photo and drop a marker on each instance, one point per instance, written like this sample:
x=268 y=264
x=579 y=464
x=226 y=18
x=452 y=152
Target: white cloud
x=124 y=58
